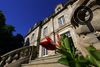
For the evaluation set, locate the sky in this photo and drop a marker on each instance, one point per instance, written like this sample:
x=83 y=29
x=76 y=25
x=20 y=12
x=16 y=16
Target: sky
x=23 y=14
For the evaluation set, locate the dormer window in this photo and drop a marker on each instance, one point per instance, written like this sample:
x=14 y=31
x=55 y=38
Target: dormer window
x=58 y=9
x=45 y=19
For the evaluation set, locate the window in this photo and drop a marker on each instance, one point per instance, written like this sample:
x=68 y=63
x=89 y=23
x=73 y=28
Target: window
x=45 y=31
x=61 y=20
x=32 y=38
x=44 y=51
x=27 y=43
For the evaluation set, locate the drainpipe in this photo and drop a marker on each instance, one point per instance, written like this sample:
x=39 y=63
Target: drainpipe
x=53 y=30
x=36 y=54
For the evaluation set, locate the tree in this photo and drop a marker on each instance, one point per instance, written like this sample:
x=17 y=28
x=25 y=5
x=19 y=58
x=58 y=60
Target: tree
x=19 y=41
x=2 y=19
x=8 y=41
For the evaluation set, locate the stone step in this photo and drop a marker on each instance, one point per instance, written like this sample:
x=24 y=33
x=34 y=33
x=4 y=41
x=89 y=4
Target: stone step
x=43 y=65
x=48 y=61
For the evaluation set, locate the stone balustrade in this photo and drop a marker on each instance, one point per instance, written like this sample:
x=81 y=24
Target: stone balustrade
x=15 y=55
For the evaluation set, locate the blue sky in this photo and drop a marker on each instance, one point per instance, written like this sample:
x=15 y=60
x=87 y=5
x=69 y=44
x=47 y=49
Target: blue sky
x=23 y=14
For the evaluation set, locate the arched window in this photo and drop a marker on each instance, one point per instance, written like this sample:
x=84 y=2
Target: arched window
x=27 y=43
x=32 y=37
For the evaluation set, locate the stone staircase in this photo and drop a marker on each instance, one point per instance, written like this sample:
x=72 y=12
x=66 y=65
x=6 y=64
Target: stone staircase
x=48 y=61
x=22 y=57
x=17 y=57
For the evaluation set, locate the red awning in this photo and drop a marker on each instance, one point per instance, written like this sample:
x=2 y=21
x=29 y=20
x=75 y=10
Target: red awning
x=48 y=43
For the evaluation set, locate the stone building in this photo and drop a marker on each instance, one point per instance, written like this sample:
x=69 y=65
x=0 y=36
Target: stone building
x=84 y=32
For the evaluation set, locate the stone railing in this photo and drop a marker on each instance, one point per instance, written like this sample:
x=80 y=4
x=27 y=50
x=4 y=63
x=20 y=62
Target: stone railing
x=18 y=56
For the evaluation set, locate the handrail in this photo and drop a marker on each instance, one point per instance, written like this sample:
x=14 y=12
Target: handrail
x=8 y=58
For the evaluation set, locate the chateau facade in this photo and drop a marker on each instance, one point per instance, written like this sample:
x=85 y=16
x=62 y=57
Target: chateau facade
x=61 y=22
x=51 y=27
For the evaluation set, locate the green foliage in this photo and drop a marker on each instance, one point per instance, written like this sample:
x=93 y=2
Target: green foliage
x=9 y=28
x=2 y=19
x=94 y=56
x=8 y=41
x=63 y=60
x=71 y=58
